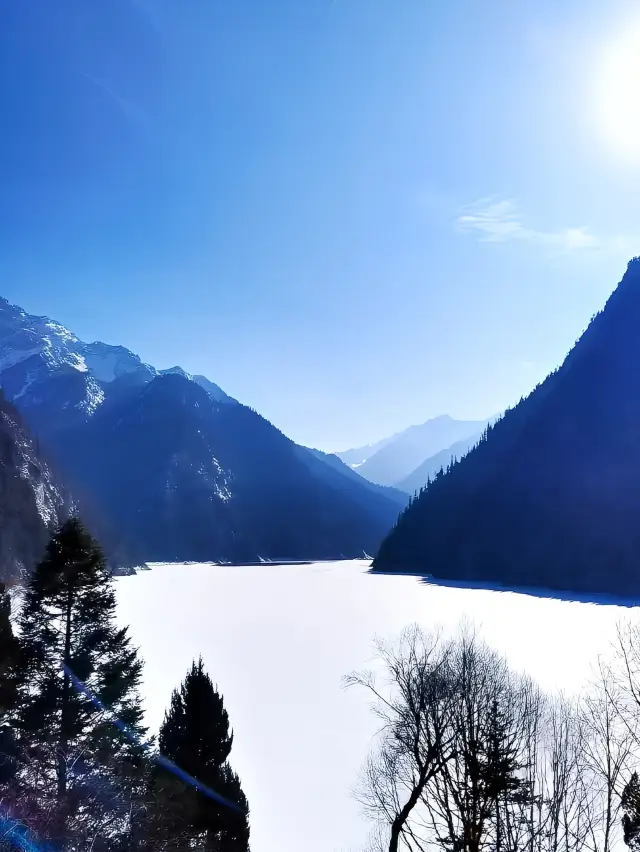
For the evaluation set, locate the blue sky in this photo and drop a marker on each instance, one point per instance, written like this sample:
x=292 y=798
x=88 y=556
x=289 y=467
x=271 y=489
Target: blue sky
x=352 y=215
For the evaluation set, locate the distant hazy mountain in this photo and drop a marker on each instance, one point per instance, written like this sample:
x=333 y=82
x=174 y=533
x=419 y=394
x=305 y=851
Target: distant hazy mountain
x=397 y=457
x=356 y=457
x=551 y=497
x=166 y=465
x=336 y=465
x=428 y=469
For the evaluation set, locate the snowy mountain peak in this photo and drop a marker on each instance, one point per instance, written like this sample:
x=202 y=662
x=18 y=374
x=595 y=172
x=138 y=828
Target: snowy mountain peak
x=108 y=363
x=36 y=349
x=176 y=371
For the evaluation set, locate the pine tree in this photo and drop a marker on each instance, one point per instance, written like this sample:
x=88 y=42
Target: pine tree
x=631 y=806
x=75 y=662
x=500 y=768
x=8 y=692
x=195 y=737
x=8 y=652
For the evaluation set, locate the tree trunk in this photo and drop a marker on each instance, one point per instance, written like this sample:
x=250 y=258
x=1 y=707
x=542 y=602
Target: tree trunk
x=401 y=819
x=63 y=743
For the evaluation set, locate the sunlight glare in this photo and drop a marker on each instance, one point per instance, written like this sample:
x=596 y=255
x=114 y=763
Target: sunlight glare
x=619 y=94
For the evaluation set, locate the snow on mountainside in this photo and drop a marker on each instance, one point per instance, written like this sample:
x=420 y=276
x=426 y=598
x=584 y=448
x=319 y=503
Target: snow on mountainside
x=185 y=478
x=164 y=468
x=35 y=349
x=107 y=363
x=29 y=467
x=31 y=502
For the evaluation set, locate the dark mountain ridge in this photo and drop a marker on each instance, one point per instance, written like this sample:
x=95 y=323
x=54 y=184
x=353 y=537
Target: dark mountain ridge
x=165 y=465
x=186 y=478
x=550 y=497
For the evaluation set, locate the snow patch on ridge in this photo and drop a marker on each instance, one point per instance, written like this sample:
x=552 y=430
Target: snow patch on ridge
x=47 y=499
x=95 y=397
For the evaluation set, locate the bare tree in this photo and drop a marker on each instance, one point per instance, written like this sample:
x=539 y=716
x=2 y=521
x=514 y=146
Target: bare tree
x=415 y=704
x=477 y=800
x=622 y=698
x=564 y=813
x=609 y=735
x=472 y=757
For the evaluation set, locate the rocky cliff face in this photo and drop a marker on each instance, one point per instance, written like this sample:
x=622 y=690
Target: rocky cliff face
x=31 y=501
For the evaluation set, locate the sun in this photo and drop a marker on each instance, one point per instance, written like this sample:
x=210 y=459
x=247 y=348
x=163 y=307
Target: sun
x=618 y=94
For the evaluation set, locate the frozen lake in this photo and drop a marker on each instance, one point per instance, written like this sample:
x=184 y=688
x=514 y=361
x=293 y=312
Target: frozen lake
x=278 y=641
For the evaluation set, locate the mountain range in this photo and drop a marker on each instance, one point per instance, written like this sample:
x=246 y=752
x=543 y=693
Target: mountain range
x=406 y=459
x=550 y=497
x=171 y=467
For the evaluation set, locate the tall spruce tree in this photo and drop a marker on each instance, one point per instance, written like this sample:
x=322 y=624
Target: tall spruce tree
x=500 y=767
x=8 y=692
x=630 y=802
x=8 y=655
x=195 y=736
x=74 y=662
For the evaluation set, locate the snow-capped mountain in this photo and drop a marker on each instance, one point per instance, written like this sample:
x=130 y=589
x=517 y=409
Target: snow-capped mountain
x=24 y=336
x=165 y=465
x=31 y=501
x=57 y=380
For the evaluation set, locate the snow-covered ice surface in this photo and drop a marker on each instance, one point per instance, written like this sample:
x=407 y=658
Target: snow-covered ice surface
x=278 y=641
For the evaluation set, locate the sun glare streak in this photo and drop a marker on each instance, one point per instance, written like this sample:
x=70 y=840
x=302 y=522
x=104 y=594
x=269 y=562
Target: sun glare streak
x=158 y=758
x=618 y=94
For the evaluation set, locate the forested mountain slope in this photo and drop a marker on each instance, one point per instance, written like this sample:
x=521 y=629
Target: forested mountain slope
x=551 y=495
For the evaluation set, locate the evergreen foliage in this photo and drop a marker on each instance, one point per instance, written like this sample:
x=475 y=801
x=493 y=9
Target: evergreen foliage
x=8 y=655
x=75 y=771
x=631 y=808
x=74 y=753
x=8 y=692
x=549 y=496
x=195 y=736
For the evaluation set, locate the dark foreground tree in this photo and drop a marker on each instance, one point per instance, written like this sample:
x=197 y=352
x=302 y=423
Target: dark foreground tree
x=416 y=715
x=195 y=737
x=631 y=807
x=8 y=692
x=77 y=681
x=8 y=651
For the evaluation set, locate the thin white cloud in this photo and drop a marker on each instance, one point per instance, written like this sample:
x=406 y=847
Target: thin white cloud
x=129 y=109
x=493 y=221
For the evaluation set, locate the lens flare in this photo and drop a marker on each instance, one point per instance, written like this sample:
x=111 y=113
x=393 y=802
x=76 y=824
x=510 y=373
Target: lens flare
x=158 y=758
